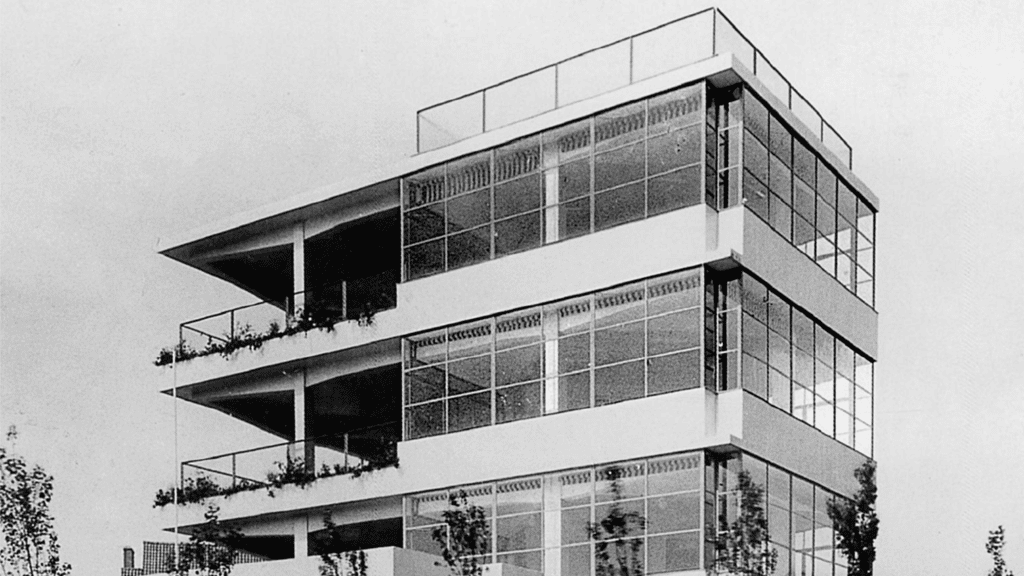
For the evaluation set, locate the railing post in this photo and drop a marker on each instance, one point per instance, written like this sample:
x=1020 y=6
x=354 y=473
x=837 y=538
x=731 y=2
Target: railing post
x=344 y=299
x=234 y=470
x=346 y=450
x=232 y=332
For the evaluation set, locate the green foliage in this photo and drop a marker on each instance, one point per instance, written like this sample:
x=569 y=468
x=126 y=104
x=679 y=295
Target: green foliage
x=210 y=551
x=744 y=548
x=293 y=471
x=332 y=563
x=166 y=355
x=616 y=551
x=856 y=523
x=29 y=546
x=994 y=546
x=464 y=537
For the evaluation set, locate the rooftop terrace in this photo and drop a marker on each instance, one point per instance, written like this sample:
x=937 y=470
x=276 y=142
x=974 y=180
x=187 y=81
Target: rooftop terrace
x=669 y=46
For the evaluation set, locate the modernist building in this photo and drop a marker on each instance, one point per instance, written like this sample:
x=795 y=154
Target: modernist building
x=653 y=258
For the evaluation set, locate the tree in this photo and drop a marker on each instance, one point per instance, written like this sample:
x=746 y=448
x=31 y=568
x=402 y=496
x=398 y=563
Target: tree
x=334 y=563
x=618 y=529
x=744 y=548
x=856 y=523
x=994 y=546
x=30 y=545
x=210 y=551
x=464 y=537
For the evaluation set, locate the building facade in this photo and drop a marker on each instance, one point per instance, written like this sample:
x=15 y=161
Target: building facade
x=651 y=263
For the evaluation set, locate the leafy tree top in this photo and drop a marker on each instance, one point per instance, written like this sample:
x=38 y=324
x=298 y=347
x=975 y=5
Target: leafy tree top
x=744 y=548
x=856 y=522
x=29 y=546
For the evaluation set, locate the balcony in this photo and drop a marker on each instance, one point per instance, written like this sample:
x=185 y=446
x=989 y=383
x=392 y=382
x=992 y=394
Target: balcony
x=673 y=45
x=251 y=325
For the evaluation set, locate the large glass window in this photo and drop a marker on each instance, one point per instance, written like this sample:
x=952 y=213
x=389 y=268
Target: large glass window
x=794 y=191
x=632 y=341
x=632 y=162
x=541 y=522
x=776 y=352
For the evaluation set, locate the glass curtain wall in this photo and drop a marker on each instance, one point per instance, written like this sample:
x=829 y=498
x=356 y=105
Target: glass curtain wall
x=791 y=188
x=772 y=349
x=541 y=522
x=799 y=528
x=629 y=163
x=632 y=341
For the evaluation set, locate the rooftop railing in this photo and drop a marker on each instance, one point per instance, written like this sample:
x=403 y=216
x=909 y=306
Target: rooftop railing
x=253 y=324
x=667 y=47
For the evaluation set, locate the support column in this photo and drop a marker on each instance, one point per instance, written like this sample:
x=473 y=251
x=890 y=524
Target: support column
x=299 y=265
x=304 y=450
x=301 y=531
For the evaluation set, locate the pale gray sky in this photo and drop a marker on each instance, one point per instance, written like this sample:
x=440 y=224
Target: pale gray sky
x=126 y=121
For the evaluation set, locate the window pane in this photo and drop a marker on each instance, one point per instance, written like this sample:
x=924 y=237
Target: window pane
x=679 y=189
x=574 y=218
x=519 y=496
x=577 y=488
x=517 y=196
x=424 y=223
x=674 y=552
x=574 y=316
x=779 y=390
x=781 y=141
x=574 y=179
x=424 y=259
x=804 y=200
x=619 y=126
x=755 y=116
x=675 y=331
x=674 y=292
x=847 y=203
x=468 y=174
x=826 y=184
x=674 y=109
x=424 y=384
x=617 y=383
x=519 y=402
x=518 y=532
x=824 y=346
x=623 y=342
x=674 y=474
x=469 y=210
x=755 y=157
x=528 y=560
x=674 y=372
x=573 y=353
x=620 y=305
x=755 y=376
x=755 y=338
x=567 y=142
x=517 y=234
x=619 y=166
x=469 y=247
x=619 y=206
x=469 y=375
x=422 y=540
x=673 y=513
x=516 y=159
x=803 y=162
x=781 y=216
x=673 y=150
x=469 y=339
x=576 y=561
x=519 y=364
x=574 y=392
x=755 y=195
x=424 y=420
x=518 y=328
x=778 y=352
x=428 y=348
x=471 y=411
x=574 y=525
x=781 y=179
x=425 y=187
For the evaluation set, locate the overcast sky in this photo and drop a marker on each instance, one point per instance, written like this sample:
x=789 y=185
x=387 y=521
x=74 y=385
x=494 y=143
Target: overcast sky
x=126 y=121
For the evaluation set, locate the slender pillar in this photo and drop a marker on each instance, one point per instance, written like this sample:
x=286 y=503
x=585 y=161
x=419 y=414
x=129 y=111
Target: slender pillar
x=299 y=265
x=301 y=530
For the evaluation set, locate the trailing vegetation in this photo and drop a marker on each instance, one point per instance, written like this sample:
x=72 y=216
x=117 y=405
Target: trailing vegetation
x=293 y=471
x=245 y=337
x=211 y=550
x=994 y=546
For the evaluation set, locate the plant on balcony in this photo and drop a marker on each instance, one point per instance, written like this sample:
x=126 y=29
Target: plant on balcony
x=464 y=536
x=292 y=471
x=166 y=355
x=994 y=546
x=198 y=489
x=618 y=551
x=856 y=523
x=334 y=563
x=210 y=551
x=744 y=548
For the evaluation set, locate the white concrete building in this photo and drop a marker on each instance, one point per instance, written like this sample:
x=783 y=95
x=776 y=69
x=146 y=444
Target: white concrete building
x=653 y=257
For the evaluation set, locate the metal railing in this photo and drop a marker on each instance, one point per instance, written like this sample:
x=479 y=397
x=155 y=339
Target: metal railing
x=321 y=456
x=661 y=49
x=326 y=304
